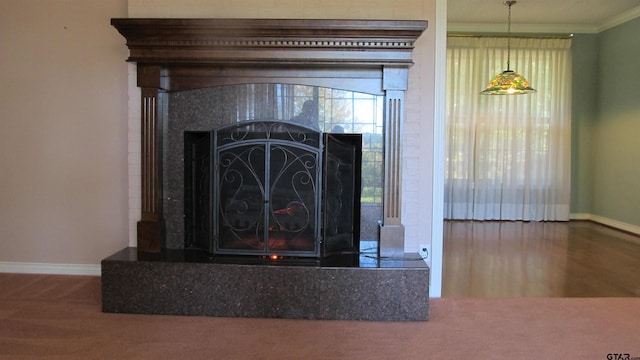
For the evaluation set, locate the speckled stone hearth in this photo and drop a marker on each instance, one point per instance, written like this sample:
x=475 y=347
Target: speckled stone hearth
x=190 y=283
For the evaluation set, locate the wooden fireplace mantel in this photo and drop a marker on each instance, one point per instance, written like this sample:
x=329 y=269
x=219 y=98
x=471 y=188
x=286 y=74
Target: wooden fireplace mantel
x=181 y=54
x=271 y=41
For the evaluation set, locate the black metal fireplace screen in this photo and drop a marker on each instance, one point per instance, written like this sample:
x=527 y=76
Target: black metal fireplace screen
x=272 y=188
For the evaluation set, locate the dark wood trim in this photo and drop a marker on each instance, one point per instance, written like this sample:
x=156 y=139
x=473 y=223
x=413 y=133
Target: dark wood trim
x=270 y=41
x=149 y=229
x=150 y=236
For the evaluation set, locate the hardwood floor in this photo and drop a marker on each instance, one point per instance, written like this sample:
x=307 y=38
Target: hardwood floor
x=539 y=259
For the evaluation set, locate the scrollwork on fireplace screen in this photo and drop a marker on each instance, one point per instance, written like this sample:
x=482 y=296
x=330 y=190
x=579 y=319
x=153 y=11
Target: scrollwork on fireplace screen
x=267 y=197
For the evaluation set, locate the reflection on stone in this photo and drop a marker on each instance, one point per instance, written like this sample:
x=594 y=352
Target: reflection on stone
x=324 y=109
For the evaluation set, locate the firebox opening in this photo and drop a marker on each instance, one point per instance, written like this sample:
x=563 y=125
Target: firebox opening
x=297 y=177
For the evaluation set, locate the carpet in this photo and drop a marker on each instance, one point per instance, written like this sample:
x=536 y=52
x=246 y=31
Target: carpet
x=59 y=317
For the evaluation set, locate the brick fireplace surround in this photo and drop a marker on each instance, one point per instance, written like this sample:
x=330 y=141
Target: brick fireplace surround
x=173 y=55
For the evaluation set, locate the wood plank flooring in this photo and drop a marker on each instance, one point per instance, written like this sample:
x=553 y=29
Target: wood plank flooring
x=539 y=259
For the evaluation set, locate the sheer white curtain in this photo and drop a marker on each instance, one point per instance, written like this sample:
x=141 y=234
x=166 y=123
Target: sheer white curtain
x=508 y=157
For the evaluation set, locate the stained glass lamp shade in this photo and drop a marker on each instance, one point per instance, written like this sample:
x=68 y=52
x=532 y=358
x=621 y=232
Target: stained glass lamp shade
x=508 y=82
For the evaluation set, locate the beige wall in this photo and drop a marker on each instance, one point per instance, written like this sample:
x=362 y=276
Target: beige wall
x=63 y=107
x=418 y=130
x=302 y=9
x=63 y=131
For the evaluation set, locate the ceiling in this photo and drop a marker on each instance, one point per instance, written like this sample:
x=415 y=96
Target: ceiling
x=546 y=16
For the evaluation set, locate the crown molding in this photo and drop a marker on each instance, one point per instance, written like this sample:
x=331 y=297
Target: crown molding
x=547 y=28
x=620 y=19
x=522 y=28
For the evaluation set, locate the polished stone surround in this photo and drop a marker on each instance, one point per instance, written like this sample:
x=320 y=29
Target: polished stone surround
x=180 y=282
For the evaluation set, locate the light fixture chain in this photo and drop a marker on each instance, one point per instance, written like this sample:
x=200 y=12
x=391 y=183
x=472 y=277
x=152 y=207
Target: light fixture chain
x=509 y=3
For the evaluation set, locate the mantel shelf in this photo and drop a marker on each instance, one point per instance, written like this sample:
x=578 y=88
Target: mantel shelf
x=271 y=41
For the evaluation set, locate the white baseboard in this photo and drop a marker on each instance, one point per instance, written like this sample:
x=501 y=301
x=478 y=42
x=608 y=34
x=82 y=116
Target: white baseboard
x=52 y=269
x=608 y=222
x=616 y=224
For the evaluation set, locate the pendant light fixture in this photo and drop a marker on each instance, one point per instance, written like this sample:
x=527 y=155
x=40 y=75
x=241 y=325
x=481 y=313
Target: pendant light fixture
x=508 y=82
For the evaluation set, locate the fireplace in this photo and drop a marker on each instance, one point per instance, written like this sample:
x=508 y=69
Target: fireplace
x=243 y=156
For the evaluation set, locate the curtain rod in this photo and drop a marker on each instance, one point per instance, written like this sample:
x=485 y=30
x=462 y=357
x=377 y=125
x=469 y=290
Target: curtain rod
x=512 y=35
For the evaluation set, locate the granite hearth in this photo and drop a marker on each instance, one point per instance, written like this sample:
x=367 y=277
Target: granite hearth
x=184 y=282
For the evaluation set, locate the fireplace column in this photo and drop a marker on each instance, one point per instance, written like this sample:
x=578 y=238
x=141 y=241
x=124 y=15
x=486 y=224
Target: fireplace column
x=395 y=82
x=150 y=226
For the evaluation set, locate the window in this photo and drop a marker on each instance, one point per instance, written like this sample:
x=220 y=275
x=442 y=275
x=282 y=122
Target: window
x=508 y=157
